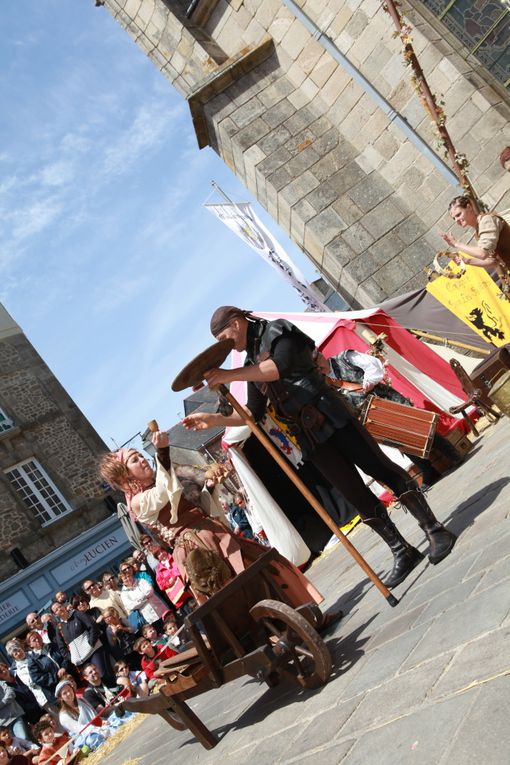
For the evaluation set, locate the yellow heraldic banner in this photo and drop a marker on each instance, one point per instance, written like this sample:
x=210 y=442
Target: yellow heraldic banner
x=476 y=299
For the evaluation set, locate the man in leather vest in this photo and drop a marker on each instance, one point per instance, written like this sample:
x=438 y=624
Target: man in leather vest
x=280 y=368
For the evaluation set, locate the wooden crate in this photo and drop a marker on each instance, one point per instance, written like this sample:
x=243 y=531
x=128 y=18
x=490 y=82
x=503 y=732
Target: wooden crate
x=460 y=442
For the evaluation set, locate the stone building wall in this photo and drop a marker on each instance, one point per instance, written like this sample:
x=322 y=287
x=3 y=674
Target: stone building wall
x=304 y=132
x=47 y=427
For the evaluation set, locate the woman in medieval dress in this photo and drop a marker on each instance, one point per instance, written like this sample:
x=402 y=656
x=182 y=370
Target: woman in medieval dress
x=492 y=249
x=156 y=500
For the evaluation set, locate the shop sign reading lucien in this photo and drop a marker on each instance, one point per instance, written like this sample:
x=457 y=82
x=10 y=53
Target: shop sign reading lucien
x=15 y=604
x=88 y=557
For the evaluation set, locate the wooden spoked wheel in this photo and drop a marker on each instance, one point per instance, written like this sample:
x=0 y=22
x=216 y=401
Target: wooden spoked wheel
x=173 y=719
x=300 y=653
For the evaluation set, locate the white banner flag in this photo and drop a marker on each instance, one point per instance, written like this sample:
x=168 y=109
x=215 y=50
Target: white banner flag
x=241 y=219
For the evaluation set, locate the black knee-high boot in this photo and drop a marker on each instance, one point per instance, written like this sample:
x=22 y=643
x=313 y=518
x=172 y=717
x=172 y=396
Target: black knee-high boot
x=405 y=556
x=441 y=540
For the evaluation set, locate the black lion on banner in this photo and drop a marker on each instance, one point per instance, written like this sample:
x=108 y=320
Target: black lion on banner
x=477 y=320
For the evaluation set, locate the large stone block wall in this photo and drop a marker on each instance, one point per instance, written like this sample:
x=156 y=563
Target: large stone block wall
x=326 y=160
x=182 y=51
x=51 y=429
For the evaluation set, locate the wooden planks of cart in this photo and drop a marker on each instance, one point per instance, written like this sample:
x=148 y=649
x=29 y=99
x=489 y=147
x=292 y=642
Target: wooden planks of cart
x=247 y=628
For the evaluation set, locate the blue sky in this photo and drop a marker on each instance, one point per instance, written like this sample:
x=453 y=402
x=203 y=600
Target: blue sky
x=108 y=260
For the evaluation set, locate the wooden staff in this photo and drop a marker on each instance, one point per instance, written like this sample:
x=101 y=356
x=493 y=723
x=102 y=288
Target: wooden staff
x=307 y=494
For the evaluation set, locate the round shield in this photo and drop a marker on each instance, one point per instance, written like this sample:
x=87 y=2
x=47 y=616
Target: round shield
x=212 y=357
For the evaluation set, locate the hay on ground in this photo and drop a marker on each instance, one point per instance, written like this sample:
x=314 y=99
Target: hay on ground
x=111 y=743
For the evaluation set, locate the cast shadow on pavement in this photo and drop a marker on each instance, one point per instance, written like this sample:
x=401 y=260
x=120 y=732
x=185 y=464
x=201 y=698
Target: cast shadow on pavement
x=345 y=653
x=458 y=521
x=349 y=599
x=465 y=514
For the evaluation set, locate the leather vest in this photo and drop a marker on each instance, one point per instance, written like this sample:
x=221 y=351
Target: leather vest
x=165 y=512
x=303 y=399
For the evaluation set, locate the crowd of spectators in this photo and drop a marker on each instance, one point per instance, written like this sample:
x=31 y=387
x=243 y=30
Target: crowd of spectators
x=63 y=677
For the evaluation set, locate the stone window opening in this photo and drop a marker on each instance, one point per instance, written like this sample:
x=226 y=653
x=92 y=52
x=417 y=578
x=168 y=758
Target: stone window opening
x=5 y=422
x=37 y=491
x=483 y=27
x=193 y=15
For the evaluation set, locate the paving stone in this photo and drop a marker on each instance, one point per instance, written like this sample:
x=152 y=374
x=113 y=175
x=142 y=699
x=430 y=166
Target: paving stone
x=385 y=661
x=468 y=620
x=475 y=662
x=421 y=737
x=494 y=552
x=395 y=627
x=268 y=716
x=446 y=576
x=483 y=736
x=448 y=599
x=331 y=755
x=498 y=572
x=324 y=727
x=397 y=696
x=270 y=751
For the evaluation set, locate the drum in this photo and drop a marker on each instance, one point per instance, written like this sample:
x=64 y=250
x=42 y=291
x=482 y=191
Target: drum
x=406 y=428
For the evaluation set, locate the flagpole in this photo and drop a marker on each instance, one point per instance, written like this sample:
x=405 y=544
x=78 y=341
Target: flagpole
x=222 y=193
x=300 y=284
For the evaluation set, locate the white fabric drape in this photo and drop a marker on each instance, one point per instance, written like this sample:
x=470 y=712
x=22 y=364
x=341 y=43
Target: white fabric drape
x=280 y=532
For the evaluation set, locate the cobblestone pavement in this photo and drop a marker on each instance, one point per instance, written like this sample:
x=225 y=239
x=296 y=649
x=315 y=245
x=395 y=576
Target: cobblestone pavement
x=425 y=682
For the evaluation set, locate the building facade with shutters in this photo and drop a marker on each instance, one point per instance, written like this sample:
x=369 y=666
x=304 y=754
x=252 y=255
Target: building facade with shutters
x=310 y=103
x=57 y=523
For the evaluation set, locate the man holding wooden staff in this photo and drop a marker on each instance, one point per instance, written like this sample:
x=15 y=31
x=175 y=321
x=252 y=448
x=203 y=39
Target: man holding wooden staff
x=280 y=368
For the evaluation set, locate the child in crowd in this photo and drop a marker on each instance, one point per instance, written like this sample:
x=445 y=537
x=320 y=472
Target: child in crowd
x=120 y=637
x=152 y=657
x=16 y=759
x=150 y=632
x=55 y=724
x=170 y=628
x=56 y=748
x=170 y=581
x=135 y=682
x=16 y=745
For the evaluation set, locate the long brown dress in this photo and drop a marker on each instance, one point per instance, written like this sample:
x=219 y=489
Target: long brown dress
x=168 y=522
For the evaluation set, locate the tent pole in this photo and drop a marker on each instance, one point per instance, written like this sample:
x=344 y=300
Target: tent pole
x=466 y=346
x=307 y=494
